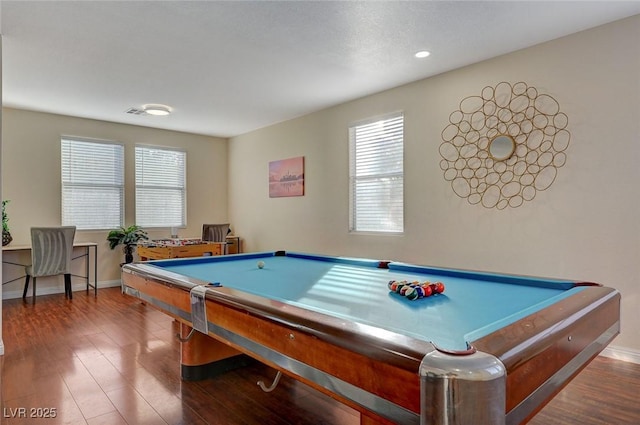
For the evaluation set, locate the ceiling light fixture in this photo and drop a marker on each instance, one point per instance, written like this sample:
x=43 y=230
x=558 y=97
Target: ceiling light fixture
x=422 y=54
x=155 y=109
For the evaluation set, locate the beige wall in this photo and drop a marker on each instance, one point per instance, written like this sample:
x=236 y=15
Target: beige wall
x=31 y=180
x=584 y=227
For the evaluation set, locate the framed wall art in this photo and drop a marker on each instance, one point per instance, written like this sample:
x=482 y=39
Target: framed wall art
x=286 y=177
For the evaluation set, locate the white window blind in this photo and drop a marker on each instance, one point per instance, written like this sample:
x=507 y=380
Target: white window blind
x=92 y=184
x=377 y=175
x=161 y=195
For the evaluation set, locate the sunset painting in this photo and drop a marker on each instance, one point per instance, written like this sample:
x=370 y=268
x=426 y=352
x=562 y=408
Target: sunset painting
x=286 y=177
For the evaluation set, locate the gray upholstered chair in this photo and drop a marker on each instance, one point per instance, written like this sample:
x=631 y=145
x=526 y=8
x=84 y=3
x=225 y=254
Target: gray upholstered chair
x=51 y=249
x=216 y=233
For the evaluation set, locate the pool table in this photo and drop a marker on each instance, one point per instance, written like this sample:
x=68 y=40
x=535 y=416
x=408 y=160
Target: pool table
x=491 y=349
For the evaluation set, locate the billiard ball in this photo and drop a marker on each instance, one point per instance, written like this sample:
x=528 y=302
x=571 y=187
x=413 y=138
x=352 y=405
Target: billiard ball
x=260 y=264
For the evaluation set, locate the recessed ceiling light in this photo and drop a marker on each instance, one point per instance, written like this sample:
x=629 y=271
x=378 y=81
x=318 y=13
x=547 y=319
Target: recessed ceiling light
x=422 y=54
x=155 y=109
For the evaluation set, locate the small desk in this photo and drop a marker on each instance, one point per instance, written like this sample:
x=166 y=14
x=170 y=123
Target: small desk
x=175 y=248
x=87 y=253
x=491 y=349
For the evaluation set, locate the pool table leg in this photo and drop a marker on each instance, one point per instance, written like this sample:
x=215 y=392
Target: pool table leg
x=203 y=357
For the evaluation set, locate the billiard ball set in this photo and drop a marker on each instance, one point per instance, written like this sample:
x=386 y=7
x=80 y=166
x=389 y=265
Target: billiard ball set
x=415 y=290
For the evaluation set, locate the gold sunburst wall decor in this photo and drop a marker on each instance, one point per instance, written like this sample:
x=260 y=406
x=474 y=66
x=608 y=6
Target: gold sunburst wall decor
x=500 y=148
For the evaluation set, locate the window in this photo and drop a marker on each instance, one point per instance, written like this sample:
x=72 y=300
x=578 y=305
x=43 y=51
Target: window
x=376 y=175
x=92 y=184
x=161 y=194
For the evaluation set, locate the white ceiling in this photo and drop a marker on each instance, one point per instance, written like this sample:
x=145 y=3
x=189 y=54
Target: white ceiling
x=227 y=68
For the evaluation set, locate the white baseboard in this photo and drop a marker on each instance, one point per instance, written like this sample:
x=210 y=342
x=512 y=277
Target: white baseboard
x=59 y=289
x=621 y=353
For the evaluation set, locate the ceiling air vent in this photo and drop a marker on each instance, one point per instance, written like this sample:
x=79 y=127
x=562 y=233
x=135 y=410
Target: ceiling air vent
x=135 y=111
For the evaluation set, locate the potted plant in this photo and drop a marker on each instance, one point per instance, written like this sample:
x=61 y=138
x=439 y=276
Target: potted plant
x=6 y=235
x=128 y=237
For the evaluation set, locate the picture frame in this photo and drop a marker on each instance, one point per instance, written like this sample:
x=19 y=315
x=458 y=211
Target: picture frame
x=286 y=177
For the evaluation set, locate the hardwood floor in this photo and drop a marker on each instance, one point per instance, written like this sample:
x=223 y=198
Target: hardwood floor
x=112 y=360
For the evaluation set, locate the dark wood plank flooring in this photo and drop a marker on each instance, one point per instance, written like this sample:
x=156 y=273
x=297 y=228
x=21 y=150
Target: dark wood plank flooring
x=112 y=360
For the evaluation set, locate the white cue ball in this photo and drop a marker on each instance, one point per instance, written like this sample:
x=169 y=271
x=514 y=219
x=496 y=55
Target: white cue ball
x=260 y=264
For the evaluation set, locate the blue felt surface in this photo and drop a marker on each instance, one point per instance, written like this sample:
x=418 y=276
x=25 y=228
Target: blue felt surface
x=473 y=305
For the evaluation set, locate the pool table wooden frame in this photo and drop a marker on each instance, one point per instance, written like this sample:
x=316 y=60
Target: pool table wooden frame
x=506 y=378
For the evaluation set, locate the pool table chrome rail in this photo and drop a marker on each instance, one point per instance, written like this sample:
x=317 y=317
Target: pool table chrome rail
x=520 y=367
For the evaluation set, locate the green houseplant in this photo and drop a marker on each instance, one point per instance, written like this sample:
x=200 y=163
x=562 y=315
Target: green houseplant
x=6 y=235
x=128 y=237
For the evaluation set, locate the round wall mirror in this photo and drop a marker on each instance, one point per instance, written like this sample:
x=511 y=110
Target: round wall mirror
x=502 y=147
